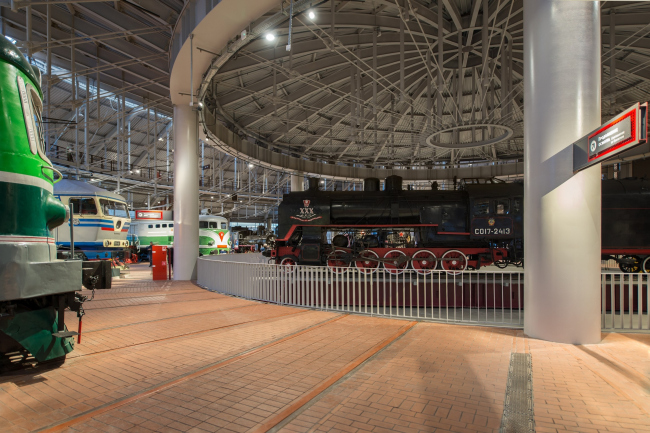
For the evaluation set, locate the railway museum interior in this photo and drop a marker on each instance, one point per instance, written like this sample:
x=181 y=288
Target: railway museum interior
x=324 y=216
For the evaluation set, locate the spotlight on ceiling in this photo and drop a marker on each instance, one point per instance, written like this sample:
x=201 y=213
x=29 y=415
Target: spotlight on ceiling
x=311 y=15
x=270 y=36
x=160 y=139
x=250 y=165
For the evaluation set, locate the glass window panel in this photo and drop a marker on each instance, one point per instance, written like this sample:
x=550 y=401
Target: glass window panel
x=481 y=207
x=502 y=206
x=84 y=206
x=224 y=225
x=37 y=108
x=113 y=208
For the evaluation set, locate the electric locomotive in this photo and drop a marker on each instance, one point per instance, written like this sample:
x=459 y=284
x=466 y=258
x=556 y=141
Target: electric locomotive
x=35 y=288
x=479 y=225
x=214 y=235
x=101 y=219
x=157 y=226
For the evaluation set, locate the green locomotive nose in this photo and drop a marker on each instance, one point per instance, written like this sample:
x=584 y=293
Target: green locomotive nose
x=28 y=268
x=26 y=174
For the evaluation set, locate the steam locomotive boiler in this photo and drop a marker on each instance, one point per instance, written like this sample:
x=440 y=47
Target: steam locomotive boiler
x=395 y=229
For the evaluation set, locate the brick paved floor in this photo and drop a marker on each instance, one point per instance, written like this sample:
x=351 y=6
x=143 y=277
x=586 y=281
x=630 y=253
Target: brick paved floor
x=172 y=357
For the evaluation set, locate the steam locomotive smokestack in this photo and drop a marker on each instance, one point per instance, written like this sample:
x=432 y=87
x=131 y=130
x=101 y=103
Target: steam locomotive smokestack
x=313 y=184
x=371 y=184
x=393 y=183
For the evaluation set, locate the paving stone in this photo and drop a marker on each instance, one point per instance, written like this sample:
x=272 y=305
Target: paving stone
x=165 y=349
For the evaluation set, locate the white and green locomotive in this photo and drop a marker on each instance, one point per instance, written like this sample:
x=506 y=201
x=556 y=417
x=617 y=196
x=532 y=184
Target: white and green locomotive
x=157 y=226
x=35 y=287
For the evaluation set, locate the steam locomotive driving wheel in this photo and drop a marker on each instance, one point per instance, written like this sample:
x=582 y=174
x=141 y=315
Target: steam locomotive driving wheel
x=396 y=262
x=368 y=262
x=337 y=262
x=424 y=262
x=454 y=262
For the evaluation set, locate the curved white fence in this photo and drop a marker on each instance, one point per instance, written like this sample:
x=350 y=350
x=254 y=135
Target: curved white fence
x=485 y=297
x=477 y=297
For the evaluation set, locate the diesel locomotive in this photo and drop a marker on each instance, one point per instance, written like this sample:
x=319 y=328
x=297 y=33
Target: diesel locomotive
x=425 y=230
x=35 y=287
x=100 y=218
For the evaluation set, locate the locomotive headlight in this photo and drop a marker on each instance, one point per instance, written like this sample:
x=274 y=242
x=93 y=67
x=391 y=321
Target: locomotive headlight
x=118 y=224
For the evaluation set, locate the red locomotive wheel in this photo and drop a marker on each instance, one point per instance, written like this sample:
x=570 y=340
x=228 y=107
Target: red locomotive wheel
x=368 y=262
x=336 y=262
x=454 y=262
x=289 y=263
x=397 y=263
x=424 y=262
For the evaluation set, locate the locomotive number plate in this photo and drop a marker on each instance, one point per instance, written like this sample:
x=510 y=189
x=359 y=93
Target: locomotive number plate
x=492 y=227
x=492 y=231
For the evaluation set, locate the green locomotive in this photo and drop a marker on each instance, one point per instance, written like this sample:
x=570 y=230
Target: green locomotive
x=35 y=287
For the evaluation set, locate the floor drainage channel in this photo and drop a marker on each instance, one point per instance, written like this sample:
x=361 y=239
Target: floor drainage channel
x=518 y=411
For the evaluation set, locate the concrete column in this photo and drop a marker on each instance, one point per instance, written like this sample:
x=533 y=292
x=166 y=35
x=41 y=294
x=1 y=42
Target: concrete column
x=186 y=192
x=561 y=210
x=297 y=183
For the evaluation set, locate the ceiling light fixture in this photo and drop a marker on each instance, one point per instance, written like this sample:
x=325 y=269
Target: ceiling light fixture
x=311 y=15
x=270 y=36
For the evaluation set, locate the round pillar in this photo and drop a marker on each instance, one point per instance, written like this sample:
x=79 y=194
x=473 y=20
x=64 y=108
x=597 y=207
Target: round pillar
x=186 y=192
x=297 y=183
x=561 y=210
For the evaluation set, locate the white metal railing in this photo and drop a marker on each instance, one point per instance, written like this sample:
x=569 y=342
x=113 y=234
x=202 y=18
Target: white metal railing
x=625 y=302
x=477 y=297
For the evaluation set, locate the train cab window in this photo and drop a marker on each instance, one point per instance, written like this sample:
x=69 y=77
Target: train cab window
x=157 y=226
x=516 y=205
x=113 y=208
x=214 y=225
x=224 y=225
x=203 y=224
x=83 y=206
x=502 y=206
x=32 y=110
x=481 y=207
x=150 y=226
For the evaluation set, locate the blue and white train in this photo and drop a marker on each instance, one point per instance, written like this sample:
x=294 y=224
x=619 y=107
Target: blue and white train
x=100 y=217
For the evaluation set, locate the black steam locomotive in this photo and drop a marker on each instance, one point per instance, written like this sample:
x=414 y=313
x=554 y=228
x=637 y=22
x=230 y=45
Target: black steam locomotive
x=478 y=225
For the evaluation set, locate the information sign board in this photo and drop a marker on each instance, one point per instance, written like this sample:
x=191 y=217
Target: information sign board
x=619 y=134
x=148 y=215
